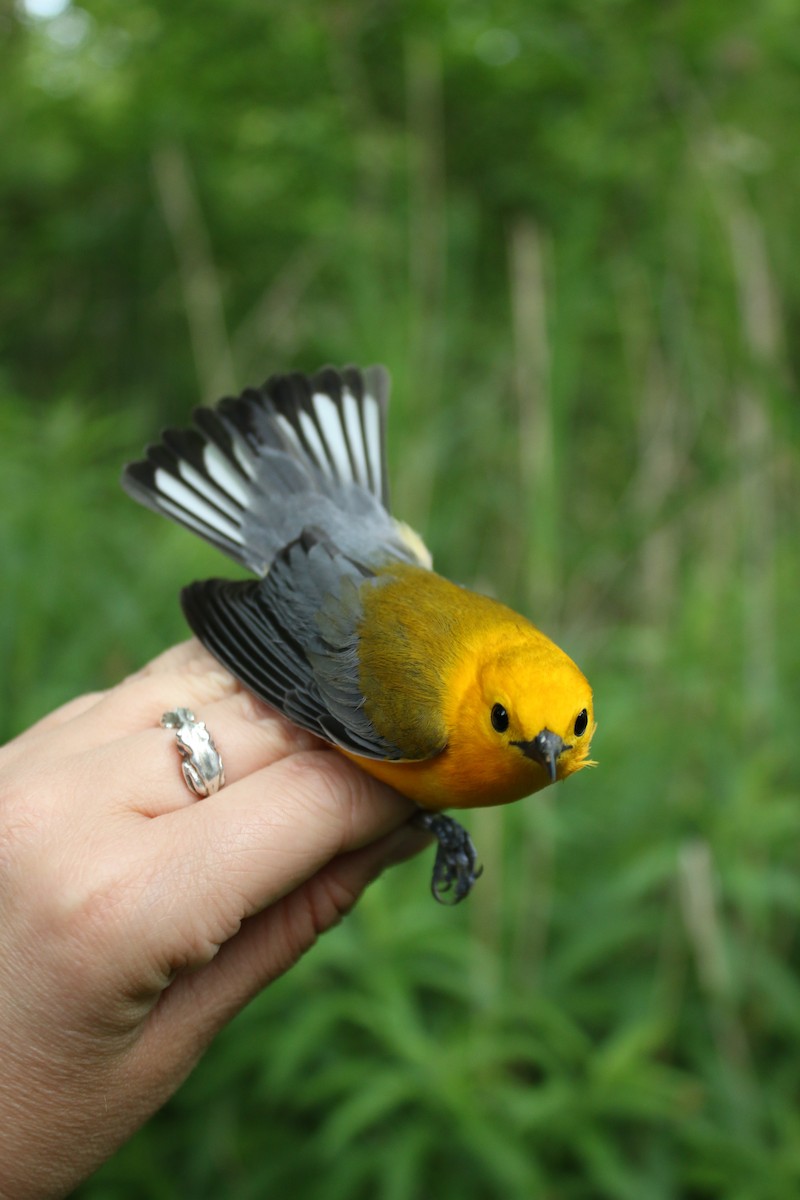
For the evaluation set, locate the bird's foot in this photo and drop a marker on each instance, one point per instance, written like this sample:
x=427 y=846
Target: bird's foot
x=454 y=870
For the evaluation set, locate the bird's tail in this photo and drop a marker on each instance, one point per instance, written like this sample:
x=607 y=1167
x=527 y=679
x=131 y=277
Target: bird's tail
x=301 y=452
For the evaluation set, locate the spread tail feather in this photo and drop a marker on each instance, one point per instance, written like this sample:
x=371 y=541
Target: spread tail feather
x=299 y=452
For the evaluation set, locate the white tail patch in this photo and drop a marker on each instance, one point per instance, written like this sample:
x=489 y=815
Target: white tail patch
x=371 y=414
x=192 y=509
x=291 y=437
x=313 y=439
x=355 y=434
x=330 y=421
x=206 y=488
x=245 y=457
x=221 y=471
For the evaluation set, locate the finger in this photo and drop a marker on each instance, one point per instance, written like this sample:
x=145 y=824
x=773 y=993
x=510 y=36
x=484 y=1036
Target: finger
x=277 y=827
x=58 y=717
x=188 y=657
x=186 y=676
x=195 y=1006
x=247 y=846
x=148 y=766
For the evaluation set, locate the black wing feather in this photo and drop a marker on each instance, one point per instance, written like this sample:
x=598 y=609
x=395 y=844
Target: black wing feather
x=274 y=636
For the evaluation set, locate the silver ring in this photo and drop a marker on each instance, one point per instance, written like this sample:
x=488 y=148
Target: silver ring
x=202 y=766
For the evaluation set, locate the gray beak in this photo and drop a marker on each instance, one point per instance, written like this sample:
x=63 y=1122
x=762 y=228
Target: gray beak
x=545 y=749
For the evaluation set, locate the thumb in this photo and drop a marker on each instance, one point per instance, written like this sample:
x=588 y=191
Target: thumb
x=196 y=1005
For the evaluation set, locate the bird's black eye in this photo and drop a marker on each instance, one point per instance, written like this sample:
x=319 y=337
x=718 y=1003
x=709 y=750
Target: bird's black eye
x=499 y=718
x=581 y=721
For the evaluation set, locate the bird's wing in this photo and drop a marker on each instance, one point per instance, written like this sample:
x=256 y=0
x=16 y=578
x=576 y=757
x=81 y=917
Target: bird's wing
x=292 y=639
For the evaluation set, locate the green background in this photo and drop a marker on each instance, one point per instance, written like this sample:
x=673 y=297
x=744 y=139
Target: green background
x=570 y=228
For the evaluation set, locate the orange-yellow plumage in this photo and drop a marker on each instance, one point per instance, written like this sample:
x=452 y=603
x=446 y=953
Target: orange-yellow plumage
x=435 y=659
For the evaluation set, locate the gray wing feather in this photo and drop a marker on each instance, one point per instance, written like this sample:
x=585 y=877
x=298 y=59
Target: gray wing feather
x=292 y=639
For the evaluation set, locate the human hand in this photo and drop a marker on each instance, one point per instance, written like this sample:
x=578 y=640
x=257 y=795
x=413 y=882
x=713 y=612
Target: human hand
x=136 y=920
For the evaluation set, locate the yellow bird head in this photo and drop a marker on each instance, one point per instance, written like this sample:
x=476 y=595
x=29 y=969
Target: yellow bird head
x=520 y=718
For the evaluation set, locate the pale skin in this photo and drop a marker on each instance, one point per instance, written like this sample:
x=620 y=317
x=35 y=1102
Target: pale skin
x=136 y=920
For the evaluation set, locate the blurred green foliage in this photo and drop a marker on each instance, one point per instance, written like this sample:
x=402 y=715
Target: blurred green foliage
x=570 y=229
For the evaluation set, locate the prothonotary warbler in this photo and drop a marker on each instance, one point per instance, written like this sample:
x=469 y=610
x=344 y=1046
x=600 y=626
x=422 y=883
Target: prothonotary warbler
x=443 y=693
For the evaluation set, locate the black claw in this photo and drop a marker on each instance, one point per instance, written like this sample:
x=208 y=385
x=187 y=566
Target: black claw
x=454 y=870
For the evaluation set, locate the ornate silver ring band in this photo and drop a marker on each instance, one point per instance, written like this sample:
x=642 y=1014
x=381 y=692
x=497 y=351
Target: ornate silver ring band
x=202 y=766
